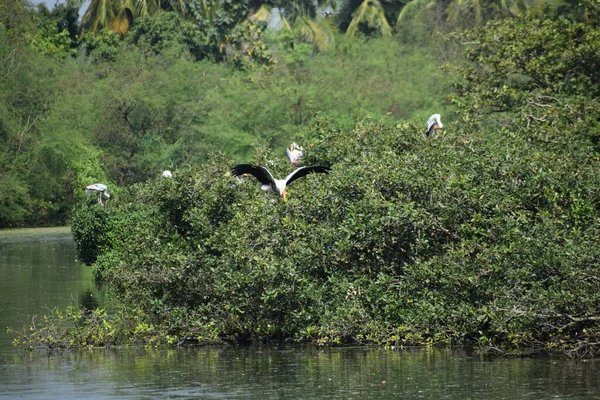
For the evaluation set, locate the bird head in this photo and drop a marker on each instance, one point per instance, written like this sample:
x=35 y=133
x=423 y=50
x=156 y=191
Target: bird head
x=294 y=146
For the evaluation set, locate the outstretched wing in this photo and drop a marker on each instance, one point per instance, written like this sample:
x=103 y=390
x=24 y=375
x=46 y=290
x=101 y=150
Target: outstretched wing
x=302 y=171
x=261 y=173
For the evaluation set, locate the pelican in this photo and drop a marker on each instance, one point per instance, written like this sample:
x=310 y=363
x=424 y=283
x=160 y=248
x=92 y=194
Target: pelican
x=98 y=188
x=294 y=153
x=269 y=182
x=434 y=123
x=167 y=174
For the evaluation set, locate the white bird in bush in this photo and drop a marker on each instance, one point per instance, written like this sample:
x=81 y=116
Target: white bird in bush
x=434 y=123
x=269 y=182
x=98 y=188
x=167 y=174
x=294 y=153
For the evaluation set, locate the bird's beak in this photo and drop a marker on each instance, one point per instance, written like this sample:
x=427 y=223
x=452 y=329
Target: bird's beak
x=284 y=194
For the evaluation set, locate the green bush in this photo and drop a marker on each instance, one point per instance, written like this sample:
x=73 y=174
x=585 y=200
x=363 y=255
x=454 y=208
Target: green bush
x=408 y=240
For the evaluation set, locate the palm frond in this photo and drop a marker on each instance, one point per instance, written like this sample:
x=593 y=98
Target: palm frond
x=120 y=25
x=99 y=15
x=458 y=7
x=179 y=6
x=76 y=3
x=286 y=23
x=318 y=32
x=372 y=13
x=262 y=14
x=414 y=8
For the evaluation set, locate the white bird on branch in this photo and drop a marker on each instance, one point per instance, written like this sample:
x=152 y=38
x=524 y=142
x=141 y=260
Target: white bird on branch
x=434 y=123
x=98 y=188
x=294 y=153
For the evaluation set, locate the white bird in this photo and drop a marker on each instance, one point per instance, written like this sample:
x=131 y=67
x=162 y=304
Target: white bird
x=269 y=182
x=98 y=188
x=434 y=123
x=167 y=174
x=294 y=153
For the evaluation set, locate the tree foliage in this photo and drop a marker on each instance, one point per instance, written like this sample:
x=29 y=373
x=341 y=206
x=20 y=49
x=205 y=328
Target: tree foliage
x=536 y=74
x=43 y=163
x=169 y=93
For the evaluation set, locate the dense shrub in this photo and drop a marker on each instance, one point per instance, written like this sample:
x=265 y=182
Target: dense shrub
x=408 y=240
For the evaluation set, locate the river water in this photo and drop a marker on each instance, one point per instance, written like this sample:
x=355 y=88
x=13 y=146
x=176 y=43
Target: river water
x=38 y=271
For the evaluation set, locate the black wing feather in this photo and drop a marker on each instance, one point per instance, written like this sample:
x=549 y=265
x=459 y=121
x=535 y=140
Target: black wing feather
x=261 y=173
x=303 y=171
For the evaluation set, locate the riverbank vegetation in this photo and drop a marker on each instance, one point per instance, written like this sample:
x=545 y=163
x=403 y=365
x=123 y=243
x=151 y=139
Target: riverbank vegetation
x=485 y=233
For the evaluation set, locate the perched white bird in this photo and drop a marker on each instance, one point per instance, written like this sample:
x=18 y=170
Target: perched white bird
x=294 y=153
x=434 y=123
x=167 y=174
x=269 y=182
x=98 y=188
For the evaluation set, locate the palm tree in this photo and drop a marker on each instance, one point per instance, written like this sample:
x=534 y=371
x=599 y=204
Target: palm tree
x=368 y=16
x=151 y=7
x=318 y=31
x=118 y=15
x=105 y=14
x=414 y=8
x=480 y=10
x=383 y=15
x=372 y=14
x=301 y=18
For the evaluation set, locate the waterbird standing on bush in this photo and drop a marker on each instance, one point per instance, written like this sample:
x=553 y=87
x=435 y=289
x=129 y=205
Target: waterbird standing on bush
x=167 y=174
x=98 y=188
x=269 y=182
x=294 y=153
x=434 y=123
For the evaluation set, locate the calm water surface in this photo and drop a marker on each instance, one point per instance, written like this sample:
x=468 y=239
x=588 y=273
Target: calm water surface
x=38 y=271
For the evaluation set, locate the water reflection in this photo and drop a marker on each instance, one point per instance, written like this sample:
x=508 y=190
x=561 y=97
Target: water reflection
x=88 y=300
x=293 y=373
x=38 y=271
